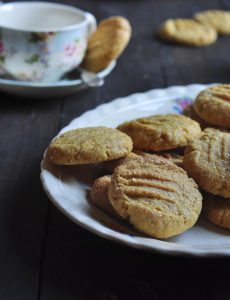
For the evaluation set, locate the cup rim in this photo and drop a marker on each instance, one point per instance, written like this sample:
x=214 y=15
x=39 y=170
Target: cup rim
x=49 y=29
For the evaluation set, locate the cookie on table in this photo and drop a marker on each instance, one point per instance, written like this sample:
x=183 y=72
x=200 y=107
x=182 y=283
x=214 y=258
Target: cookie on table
x=188 y=32
x=155 y=196
x=99 y=194
x=207 y=161
x=217 y=210
x=213 y=105
x=218 y=19
x=107 y=43
x=161 y=132
x=88 y=145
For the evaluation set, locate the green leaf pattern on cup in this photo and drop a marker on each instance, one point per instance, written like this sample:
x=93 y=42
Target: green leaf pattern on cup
x=33 y=59
x=40 y=39
x=39 y=56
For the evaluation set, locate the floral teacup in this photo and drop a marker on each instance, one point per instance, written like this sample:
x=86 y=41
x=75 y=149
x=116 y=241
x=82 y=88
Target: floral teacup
x=41 y=41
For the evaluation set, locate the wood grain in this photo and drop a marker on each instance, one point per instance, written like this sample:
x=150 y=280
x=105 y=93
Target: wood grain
x=43 y=255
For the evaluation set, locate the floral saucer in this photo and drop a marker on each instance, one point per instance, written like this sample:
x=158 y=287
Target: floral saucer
x=72 y=82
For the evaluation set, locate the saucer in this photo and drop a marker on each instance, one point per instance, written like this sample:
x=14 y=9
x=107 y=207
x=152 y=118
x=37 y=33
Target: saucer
x=75 y=81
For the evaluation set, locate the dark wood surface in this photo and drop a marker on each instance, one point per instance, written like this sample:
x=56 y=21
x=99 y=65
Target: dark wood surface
x=45 y=256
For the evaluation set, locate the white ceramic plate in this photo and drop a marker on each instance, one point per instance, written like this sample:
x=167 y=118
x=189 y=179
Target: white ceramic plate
x=67 y=187
x=40 y=90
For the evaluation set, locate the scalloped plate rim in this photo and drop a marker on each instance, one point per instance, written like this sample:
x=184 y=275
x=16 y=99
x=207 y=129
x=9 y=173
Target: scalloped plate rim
x=123 y=238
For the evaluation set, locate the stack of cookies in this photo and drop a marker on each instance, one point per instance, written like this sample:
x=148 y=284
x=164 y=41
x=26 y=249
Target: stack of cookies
x=201 y=30
x=207 y=160
x=148 y=190
x=157 y=169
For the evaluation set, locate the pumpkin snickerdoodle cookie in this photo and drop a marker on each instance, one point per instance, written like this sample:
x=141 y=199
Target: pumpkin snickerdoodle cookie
x=187 y=31
x=107 y=43
x=89 y=145
x=161 y=132
x=217 y=210
x=207 y=160
x=155 y=196
x=218 y=19
x=213 y=105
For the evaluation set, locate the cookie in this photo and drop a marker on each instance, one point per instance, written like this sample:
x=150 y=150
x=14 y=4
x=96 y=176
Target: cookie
x=173 y=157
x=188 y=32
x=218 y=19
x=217 y=210
x=107 y=43
x=155 y=196
x=99 y=194
x=190 y=112
x=213 y=105
x=207 y=160
x=88 y=145
x=107 y=167
x=161 y=132
x=177 y=159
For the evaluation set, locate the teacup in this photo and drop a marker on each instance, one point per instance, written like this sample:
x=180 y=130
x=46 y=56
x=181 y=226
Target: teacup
x=41 y=41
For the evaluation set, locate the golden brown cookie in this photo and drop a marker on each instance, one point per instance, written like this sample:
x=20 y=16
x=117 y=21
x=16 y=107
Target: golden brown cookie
x=99 y=194
x=218 y=19
x=161 y=132
x=107 y=43
x=217 y=210
x=187 y=31
x=207 y=160
x=108 y=167
x=155 y=196
x=213 y=105
x=177 y=159
x=190 y=112
x=88 y=145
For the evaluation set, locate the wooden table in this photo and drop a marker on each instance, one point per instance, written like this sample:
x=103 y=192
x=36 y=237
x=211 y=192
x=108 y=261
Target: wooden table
x=43 y=255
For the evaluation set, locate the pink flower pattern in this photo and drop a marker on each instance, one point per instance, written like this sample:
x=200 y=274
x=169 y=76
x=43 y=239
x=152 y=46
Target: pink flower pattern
x=181 y=103
x=42 y=55
x=70 y=49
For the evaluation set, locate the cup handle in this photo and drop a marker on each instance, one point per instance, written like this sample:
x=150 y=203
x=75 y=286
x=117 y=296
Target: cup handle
x=92 y=23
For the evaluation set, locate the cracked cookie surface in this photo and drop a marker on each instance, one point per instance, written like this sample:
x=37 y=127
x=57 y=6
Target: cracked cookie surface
x=207 y=160
x=161 y=132
x=89 y=145
x=213 y=105
x=155 y=196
